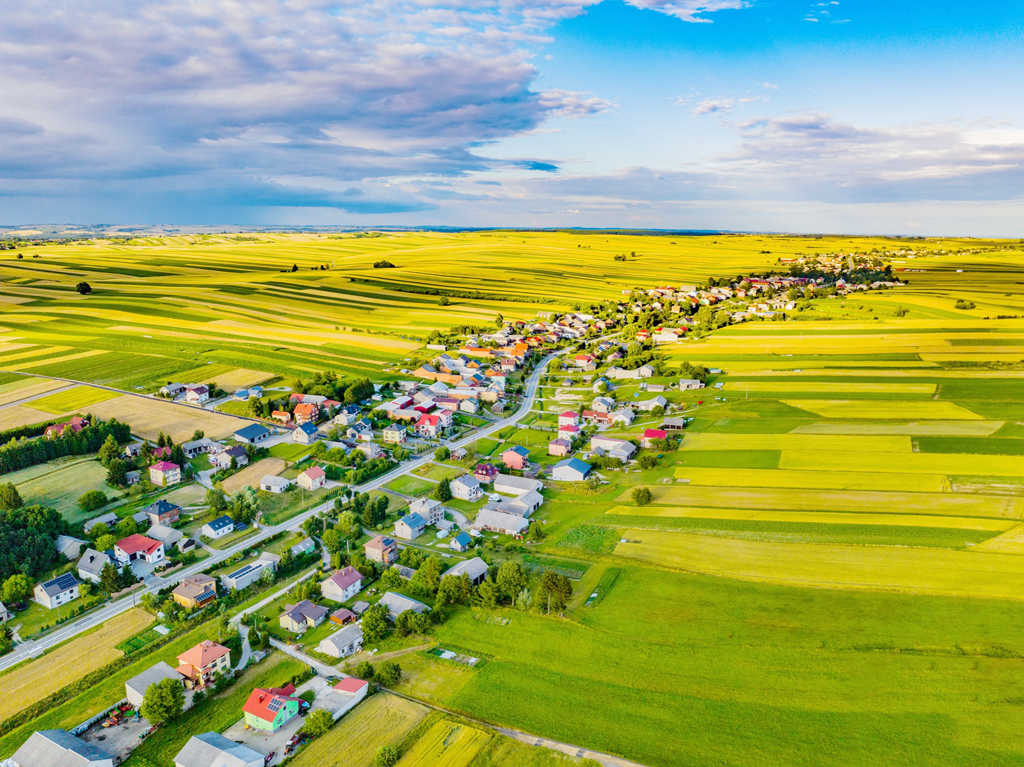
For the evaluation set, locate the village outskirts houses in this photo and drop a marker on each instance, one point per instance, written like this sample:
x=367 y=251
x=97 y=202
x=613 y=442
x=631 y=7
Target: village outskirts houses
x=57 y=592
x=381 y=549
x=164 y=474
x=201 y=664
x=342 y=585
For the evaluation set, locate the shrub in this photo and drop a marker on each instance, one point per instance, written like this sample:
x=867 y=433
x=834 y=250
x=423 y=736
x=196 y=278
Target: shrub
x=92 y=500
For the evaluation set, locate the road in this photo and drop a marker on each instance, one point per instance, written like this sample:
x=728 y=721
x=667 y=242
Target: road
x=33 y=648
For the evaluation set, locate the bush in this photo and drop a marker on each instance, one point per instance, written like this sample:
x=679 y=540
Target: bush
x=387 y=756
x=641 y=496
x=318 y=723
x=92 y=500
x=365 y=670
x=388 y=674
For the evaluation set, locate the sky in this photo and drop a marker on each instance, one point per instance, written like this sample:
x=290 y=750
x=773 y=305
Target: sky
x=842 y=116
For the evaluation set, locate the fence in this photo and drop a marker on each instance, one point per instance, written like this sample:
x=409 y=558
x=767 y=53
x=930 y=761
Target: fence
x=92 y=720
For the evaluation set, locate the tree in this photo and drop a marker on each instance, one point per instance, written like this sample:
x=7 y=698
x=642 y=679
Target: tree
x=84 y=288
x=443 y=491
x=92 y=500
x=380 y=509
x=386 y=756
x=109 y=450
x=318 y=723
x=405 y=623
x=641 y=496
x=375 y=623
x=16 y=589
x=126 y=577
x=535 y=531
x=454 y=590
x=444 y=301
x=10 y=499
x=108 y=578
x=216 y=500
x=127 y=526
x=332 y=541
x=163 y=701
x=388 y=674
x=511 y=579
x=442 y=453
x=117 y=473
x=198 y=434
x=391 y=579
x=427 y=578
x=524 y=600
x=365 y=670
x=648 y=461
x=488 y=594
x=105 y=542
x=556 y=590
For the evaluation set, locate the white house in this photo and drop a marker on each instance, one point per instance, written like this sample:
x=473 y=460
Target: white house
x=211 y=749
x=275 y=484
x=197 y=394
x=467 y=488
x=312 y=478
x=57 y=592
x=570 y=470
x=305 y=434
x=506 y=484
x=430 y=510
x=347 y=641
x=218 y=528
x=410 y=527
x=91 y=565
x=55 y=748
x=343 y=585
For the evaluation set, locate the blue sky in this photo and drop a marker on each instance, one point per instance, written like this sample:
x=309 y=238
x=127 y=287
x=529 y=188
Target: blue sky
x=849 y=116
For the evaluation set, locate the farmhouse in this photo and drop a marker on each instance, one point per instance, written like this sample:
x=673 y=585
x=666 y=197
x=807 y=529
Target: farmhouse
x=164 y=474
x=306 y=412
x=343 y=643
x=312 y=478
x=197 y=394
x=410 y=527
x=252 y=434
x=398 y=604
x=57 y=591
x=690 y=383
x=466 y=488
x=91 y=565
x=304 y=615
x=650 y=435
x=211 y=749
x=172 y=389
x=461 y=542
x=198 y=447
x=305 y=433
x=282 y=416
x=110 y=518
x=500 y=522
x=475 y=568
x=162 y=512
x=195 y=592
x=203 y=662
x=59 y=748
x=274 y=484
x=138 y=548
x=516 y=458
x=568 y=418
x=570 y=470
x=616 y=448
x=647 y=405
x=270 y=710
x=381 y=549
x=218 y=528
x=168 y=536
x=135 y=688
x=568 y=432
x=224 y=458
x=343 y=585
x=509 y=485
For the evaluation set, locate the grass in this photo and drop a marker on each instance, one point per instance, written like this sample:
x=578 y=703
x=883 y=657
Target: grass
x=832 y=443
x=410 y=485
x=885 y=409
x=811 y=479
x=591 y=538
x=69 y=662
x=71 y=400
x=446 y=744
x=289 y=451
x=59 y=484
x=382 y=719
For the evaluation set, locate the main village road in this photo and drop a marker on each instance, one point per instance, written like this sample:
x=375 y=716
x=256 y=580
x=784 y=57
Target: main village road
x=36 y=647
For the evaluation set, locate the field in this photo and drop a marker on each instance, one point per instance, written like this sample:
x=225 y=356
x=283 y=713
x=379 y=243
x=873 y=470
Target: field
x=59 y=484
x=24 y=386
x=380 y=720
x=148 y=417
x=446 y=744
x=71 y=400
x=16 y=416
x=252 y=474
x=42 y=677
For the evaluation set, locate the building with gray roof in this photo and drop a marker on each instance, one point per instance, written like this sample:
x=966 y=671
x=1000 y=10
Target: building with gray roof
x=212 y=749
x=59 y=748
x=398 y=604
x=475 y=568
x=135 y=688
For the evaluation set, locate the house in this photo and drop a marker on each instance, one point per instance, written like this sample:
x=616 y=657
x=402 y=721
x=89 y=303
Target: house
x=248 y=574
x=559 y=447
x=570 y=470
x=516 y=458
x=73 y=426
x=485 y=472
x=461 y=542
x=341 y=644
x=312 y=478
x=162 y=513
x=469 y=405
x=603 y=404
x=223 y=459
x=135 y=688
x=343 y=585
x=431 y=511
x=138 y=548
x=91 y=565
x=410 y=527
x=172 y=389
x=568 y=418
x=475 y=568
x=303 y=547
x=57 y=591
x=273 y=484
x=211 y=749
x=69 y=547
x=361 y=430
x=197 y=394
x=371 y=450
x=622 y=417
x=108 y=519
x=568 y=432
x=523 y=506
x=650 y=435
x=690 y=383
x=198 y=447
x=168 y=536
x=342 y=616
x=159 y=453
x=306 y=412
x=271 y=709
x=398 y=604
x=466 y=488
x=616 y=448
x=164 y=474
x=428 y=425
x=131 y=478
x=304 y=615
x=281 y=416
x=501 y=522
x=381 y=549
x=644 y=371
x=200 y=664
x=347 y=416
x=218 y=528
x=649 y=404
x=5 y=614
x=394 y=434
x=352 y=687
x=252 y=434
x=305 y=433
x=509 y=485
x=195 y=591
x=59 y=748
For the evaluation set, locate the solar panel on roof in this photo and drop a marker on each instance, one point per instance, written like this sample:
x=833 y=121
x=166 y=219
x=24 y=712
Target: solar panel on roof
x=274 y=706
x=243 y=571
x=65 y=581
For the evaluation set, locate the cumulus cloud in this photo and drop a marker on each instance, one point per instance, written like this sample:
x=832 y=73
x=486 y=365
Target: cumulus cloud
x=723 y=106
x=688 y=10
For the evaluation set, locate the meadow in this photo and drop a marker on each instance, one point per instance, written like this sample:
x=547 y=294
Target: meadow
x=59 y=484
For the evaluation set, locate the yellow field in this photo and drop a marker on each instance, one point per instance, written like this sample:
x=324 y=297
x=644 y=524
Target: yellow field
x=382 y=719
x=813 y=480
x=959 y=356
x=71 y=400
x=886 y=568
x=44 y=676
x=825 y=517
x=936 y=428
x=252 y=474
x=830 y=388
x=16 y=416
x=54 y=360
x=27 y=387
x=16 y=355
x=231 y=381
x=446 y=744
x=880 y=410
x=838 y=443
x=951 y=504
x=149 y=416
x=913 y=463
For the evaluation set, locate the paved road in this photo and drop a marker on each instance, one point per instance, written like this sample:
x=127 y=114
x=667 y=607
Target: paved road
x=33 y=648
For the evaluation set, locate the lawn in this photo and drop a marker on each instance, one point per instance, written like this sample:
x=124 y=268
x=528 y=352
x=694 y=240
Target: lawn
x=59 y=484
x=289 y=451
x=408 y=484
x=71 y=400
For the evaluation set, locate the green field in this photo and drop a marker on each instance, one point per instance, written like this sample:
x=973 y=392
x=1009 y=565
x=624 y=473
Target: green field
x=59 y=484
x=72 y=400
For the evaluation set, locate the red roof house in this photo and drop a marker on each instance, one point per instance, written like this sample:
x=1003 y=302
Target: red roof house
x=650 y=435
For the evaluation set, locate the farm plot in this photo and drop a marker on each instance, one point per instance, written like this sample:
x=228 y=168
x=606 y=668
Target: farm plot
x=951 y=504
x=149 y=416
x=812 y=480
x=16 y=416
x=229 y=379
x=923 y=571
x=71 y=400
x=913 y=463
x=827 y=387
x=885 y=410
x=831 y=443
x=446 y=744
x=381 y=720
x=252 y=474
x=935 y=428
x=59 y=485
x=27 y=387
x=44 y=676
